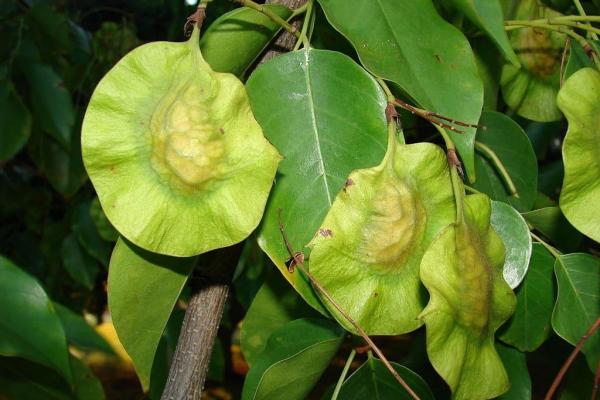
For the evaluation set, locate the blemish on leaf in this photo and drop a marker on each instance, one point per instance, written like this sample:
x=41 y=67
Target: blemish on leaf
x=325 y=232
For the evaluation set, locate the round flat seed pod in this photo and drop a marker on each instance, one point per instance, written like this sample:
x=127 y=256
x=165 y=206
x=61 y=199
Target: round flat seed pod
x=179 y=163
x=368 y=250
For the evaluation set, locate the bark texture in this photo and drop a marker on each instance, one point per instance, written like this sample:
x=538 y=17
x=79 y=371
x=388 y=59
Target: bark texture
x=285 y=41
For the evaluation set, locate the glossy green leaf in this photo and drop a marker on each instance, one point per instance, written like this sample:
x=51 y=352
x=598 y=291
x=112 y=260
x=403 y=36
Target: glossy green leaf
x=142 y=289
x=52 y=104
x=516 y=366
x=103 y=225
x=293 y=360
x=234 y=41
x=326 y=116
x=531 y=90
x=530 y=325
x=373 y=381
x=15 y=122
x=507 y=140
x=551 y=222
x=437 y=70
x=579 y=100
x=187 y=137
x=486 y=56
x=487 y=16
x=469 y=301
x=79 y=333
x=82 y=267
x=578 y=303
x=29 y=326
x=514 y=232
x=275 y=305
x=368 y=249
x=87 y=234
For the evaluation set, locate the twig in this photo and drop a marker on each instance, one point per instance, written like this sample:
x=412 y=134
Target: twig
x=581 y=11
x=342 y=378
x=551 y=249
x=493 y=157
x=303 y=38
x=274 y=17
x=563 y=60
x=347 y=317
x=596 y=382
x=433 y=117
x=559 y=377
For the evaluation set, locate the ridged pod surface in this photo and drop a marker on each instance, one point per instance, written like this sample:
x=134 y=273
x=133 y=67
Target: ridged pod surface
x=368 y=250
x=179 y=163
x=469 y=301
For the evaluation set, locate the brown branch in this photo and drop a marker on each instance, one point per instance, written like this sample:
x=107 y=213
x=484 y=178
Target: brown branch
x=561 y=374
x=285 y=41
x=299 y=263
x=435 y=118
x=596 y=382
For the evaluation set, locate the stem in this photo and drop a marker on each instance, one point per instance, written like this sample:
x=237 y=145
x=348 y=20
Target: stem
x=472 y=190
x=554 y=21
x=551 y=249
x=559 y=377
x=491 y=155
x=581 y=11
x=386 y=89
x=596 y=382
x=457 y=183
x=342 y=378
x=274 y=17
x=303 y=39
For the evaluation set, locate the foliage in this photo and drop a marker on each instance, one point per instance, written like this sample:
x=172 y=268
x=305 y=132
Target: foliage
x=345 y=154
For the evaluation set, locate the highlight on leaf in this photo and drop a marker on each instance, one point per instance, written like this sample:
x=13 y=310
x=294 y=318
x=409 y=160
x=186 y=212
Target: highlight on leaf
x=469 y=301
x=369 y=247
x=179 y=163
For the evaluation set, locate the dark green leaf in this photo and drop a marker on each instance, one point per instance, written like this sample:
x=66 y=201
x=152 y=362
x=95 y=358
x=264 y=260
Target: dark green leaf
x=142 y=290
x=15 y=122
x=87 y=234
x=508 y=141
x=29 y=326
x=275 y=305
x=373 y=381
x=79 y=333
x=51 y=102
x=486 y=56
x=578 y=303
x=578 y=59
x=87 y=386
x=234 y=41
x=487 y=16
x=436 y=69
x=516 y=366
x=293 y=361
x=325 y=115
x=551 y=223
x=514 y=232
x=103 y=225
x=82 y=267
x=529 y=326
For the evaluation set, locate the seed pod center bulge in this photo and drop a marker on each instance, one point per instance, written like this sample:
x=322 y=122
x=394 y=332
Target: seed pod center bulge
x=179 y=163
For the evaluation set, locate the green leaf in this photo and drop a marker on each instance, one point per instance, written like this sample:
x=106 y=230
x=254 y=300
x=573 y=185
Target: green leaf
x=507 y=140
x=52 y=105
x=87 y=386
x=234 y=41
x=326 y=116
x=373 y=381
x=436 y=69
x=530 y=325
x=486 y=56
x=578 y=303
x=551 y=222
x=579 y=100
x=188 y=138
x=531 y=90
x=293 y=361
x=470 y=300
x=29 y=326
x=142 y=290
x=84 y=228
x=487 y=16
x=103 y=225
x=79 y=333
x=82 y=267
x=516 y=365
x=514 y=232
x=578 y=59
x=275 y=305
x=15 y=122
x=368 y=249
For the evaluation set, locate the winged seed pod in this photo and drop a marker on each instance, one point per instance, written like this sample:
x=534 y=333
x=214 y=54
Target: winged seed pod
x=369 y=248
x=179 y=163
x=469 y=301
